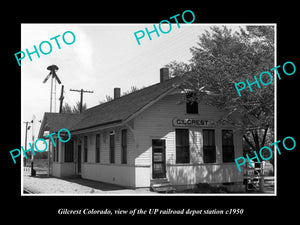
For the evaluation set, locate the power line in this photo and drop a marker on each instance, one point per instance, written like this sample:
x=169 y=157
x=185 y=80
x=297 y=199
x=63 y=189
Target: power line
x=81 y=96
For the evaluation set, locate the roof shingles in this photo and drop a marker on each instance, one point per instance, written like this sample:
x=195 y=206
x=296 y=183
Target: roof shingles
x=116 y=110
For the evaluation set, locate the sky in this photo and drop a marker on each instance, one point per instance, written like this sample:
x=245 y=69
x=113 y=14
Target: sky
x=103 y=56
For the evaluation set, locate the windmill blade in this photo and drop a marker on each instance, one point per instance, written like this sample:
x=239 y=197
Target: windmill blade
x=47 y=77
x=56 y=77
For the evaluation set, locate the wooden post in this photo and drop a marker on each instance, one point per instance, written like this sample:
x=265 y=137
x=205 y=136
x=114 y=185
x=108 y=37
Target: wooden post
x=25 y=142
x=61 y=99
x=81 y=96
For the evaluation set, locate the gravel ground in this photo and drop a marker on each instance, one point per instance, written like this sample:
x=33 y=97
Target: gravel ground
x=41 y=184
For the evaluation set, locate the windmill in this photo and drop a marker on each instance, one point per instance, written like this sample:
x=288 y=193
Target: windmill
x=53 y=69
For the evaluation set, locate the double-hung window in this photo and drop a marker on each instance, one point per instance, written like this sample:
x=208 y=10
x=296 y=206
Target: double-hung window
x=209 y=147
x=97 y=155
x=124 y=147
x=182 y=146
x=227 y=146
x=191 y=103
x=112 y=147
x=85 y=148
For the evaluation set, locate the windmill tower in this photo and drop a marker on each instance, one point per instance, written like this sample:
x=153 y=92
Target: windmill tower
x=53 y=69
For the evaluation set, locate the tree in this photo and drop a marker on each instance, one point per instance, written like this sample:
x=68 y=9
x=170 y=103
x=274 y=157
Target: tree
x=219 y=61
x=76 y=109
x=66 y=108
x=109 y=98
x=132 y=89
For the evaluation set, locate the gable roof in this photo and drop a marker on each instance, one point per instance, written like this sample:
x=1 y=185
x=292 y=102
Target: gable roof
x=115 y=111
x=53 y=122
x=120 y=109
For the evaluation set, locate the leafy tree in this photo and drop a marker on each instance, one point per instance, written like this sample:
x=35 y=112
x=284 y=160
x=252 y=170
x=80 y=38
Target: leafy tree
x=76 y=109
x=66 y=108
x=219 y=61
x=132 y=89
x=109 y=98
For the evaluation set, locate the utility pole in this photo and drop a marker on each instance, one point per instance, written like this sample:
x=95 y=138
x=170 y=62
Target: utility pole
x=33 y=172
x=61 y=99
x=81 y=96
x=27 y=128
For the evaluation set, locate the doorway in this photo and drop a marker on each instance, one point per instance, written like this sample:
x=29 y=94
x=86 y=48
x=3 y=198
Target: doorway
x=158 y=158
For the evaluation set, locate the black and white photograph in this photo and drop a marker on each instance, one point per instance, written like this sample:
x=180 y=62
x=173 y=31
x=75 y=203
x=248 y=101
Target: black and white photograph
x=163 y=114
x=159 y=117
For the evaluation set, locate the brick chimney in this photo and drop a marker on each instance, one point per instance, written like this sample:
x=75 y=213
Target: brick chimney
x=164 y=74
x=117 y=93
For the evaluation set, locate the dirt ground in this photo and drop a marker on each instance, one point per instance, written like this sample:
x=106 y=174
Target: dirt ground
x=42 y=184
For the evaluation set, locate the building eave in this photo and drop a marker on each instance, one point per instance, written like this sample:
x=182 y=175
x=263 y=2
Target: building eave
x=96 y=127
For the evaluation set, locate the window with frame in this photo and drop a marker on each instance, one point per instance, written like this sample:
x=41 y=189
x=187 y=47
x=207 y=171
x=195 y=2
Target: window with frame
x=97 y=150
x=182 y=146
x=124 y=146
x=227 y=146
x=209 y=146
x=85 y=149
x=112 y=147
x=191 y=103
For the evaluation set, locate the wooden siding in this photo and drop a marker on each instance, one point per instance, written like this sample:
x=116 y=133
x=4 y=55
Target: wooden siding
x=156 y=122
x=104 y=146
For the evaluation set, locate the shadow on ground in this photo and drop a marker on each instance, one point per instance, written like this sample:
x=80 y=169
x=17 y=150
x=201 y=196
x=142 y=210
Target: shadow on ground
x=96 y=185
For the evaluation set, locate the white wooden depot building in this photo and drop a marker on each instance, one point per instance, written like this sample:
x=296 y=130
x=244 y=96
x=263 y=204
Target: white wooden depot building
x=150 y=134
